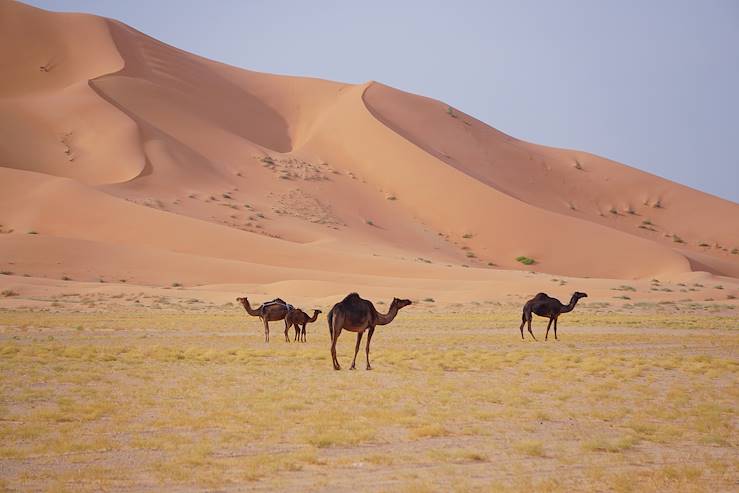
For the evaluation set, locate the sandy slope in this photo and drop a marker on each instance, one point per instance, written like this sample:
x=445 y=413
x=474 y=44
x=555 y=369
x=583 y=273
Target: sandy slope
x=134 y=160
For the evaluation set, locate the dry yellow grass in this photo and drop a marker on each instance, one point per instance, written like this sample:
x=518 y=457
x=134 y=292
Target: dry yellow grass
x=152 y=400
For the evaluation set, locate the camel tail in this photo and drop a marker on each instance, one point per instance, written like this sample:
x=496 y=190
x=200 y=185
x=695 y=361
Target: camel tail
x=330 y=319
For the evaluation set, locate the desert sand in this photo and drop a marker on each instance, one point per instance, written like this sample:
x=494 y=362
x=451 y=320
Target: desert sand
x=137 y=179
x=128 y=158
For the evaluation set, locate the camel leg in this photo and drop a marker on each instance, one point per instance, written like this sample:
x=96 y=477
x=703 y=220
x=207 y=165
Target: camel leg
x=532 y=334
x=548 y=325
x=523 y=322
x=356 y=350
x=266 y=330
x=297 y=332
x=287 y=329
x=369 y=338
x=335 y=331
x=302 y=333
x=555 y=329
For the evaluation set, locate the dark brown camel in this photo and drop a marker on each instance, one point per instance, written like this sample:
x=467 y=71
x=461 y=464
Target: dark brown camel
x=545 y=306
x=299 y=319
x=269 y=312
x=357 y=315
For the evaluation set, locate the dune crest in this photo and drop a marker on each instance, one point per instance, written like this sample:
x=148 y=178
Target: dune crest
x=115 y=144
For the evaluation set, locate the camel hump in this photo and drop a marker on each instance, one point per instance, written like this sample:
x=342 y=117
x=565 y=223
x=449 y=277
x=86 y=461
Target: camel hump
x=278 y=301
x=351 y=298
x=541 y=296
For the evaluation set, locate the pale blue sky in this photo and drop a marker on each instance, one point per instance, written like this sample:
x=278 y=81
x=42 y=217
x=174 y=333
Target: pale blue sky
x=653 y=84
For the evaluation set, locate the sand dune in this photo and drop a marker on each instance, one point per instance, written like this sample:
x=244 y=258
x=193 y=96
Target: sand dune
x=131 y=159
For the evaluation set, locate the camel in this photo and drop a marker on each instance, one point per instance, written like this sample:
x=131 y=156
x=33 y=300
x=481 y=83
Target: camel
x=357 y=315
x=545 y=306
x=297 y=318
x=269 y=312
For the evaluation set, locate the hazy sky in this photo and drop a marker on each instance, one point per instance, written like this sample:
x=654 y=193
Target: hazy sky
x=653 y=84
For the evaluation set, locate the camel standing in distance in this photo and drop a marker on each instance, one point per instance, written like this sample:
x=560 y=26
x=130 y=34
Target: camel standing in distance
x=299 y=319
x=545 y=306
x=357 y=315
x=269 y=312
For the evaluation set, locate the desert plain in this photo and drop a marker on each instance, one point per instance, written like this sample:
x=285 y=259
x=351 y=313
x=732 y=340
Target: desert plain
x=143 y=189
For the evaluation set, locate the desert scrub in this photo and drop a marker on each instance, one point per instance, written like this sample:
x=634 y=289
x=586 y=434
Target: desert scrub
x=525 y=260
x=533 y=448
x=7 y=293
x=624 y=287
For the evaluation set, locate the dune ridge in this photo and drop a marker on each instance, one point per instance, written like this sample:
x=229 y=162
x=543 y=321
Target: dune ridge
x=113 y=144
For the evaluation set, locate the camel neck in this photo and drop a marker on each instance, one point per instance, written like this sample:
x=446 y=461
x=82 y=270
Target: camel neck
x=249 y=310
x=571 y=305
x=384 y=319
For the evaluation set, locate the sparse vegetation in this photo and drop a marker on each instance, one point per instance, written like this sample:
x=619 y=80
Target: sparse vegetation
x=32 y=232
x=677 y=239
x=143 y=398
x=450 y=112
x=624 y=287
x=7 y=293
x=534 y=448
x=525 y=260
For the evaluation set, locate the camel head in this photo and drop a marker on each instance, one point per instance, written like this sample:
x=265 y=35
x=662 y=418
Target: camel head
x=399 y=303
x=243 y=300
x=577 y=295
x=318 y=311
